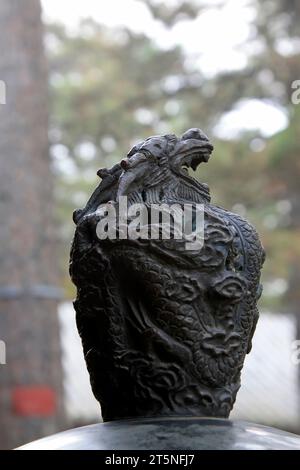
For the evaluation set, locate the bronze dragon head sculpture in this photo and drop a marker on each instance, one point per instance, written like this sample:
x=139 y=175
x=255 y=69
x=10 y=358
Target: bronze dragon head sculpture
x=165 y=330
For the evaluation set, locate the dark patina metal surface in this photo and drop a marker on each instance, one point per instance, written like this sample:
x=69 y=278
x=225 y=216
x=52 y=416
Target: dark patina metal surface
x=165 y=330
x=170 y=434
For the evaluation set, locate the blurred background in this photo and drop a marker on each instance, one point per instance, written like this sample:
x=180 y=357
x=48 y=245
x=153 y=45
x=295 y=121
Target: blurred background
x=80 y=82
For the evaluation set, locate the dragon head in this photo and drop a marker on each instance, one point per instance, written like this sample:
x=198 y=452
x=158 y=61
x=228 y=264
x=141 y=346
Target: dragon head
x=165 y=158
x=159 y=163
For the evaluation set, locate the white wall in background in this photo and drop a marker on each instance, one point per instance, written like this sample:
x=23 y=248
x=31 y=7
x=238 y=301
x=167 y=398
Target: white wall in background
x=270 y=390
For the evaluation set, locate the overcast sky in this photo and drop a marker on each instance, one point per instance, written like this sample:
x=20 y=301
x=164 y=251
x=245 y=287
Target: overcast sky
x=213 y=41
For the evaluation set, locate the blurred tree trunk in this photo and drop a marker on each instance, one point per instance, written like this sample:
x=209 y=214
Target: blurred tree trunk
x=31 y=380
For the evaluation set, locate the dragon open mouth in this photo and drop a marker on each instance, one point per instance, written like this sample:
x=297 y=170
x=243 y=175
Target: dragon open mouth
x=193 y=159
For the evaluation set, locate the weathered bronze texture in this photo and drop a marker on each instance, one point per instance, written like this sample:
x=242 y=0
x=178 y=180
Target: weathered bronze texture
x=165 y=330
x=175 y=433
